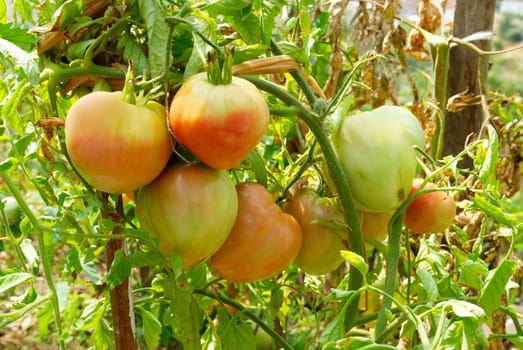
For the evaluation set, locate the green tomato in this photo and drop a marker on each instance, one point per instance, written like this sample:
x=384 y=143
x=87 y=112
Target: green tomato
x=376 y=151
x=12 y=211
x=191 y=209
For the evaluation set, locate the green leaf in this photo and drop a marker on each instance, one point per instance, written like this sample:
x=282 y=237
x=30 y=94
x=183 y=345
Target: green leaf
x=490 y=295
x=472 y=273
x=14 y=279
x=335 y=330
x=487 y=172
x=132 y=51
x=464 y=309
x=247 y=26
x=18 y=36
x=92 y=315
x=184 y=316
x=153 y=15
x=30 y=254
x=103 y=336
x=152 y=328
x=8 y=163
x=429 y=284
x=356 y=261
x=120 y=269
x=26 y=61
x=45 y=190
x=257 y=165
x=452 y=337
x=494 y=211
x=235 y=335
x=67 y=13
x=224 y=7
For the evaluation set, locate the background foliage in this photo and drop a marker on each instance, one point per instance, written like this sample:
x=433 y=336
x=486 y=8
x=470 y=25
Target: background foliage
x=455 y=289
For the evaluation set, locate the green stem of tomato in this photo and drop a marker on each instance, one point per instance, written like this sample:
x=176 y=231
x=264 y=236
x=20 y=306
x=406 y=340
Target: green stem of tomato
x=44 y=255
x=441 y=67
x=238 y=306
x=298 y=77
x=339 y=179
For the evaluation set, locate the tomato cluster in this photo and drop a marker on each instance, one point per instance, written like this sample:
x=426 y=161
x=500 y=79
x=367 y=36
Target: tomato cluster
x=199 y=214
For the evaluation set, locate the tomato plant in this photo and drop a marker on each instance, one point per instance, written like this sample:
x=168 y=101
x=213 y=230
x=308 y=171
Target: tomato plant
x=429 y=212
x=323 y=239
x=116 y=146
x=218 y=123
x=263 y=241
x=376 y=149
x=191 y=209
x=13 y=213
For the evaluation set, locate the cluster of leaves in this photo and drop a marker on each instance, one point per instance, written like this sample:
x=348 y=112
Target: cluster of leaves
x=446 y=286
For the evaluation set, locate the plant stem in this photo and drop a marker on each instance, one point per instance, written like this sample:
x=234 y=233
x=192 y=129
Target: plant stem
x=441 y=67
x=120 y=295
x=238 y=306
x=44 y=255
x=339 y=179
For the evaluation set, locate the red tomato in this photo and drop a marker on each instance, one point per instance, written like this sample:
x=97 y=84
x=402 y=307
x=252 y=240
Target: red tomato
x=374 y=224
x=218 y=124
x=322 y=240
x=430 y=212
x=263 y=241
x=117 y=147
x=191 y=209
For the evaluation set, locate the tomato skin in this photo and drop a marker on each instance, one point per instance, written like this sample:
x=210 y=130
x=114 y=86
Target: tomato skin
x=218 y=124
x=117 y=147
x=374 y=224
x=429 y=212
x=191 y=208
x=376 y=151
x=322 y=243
x=13 y=212
x=263 y=241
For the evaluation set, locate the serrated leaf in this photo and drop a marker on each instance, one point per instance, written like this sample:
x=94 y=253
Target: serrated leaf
x=429 y=284
x=133 y=52
x=490 y=295
x=452 y=337
x=153 y=14
x=92 y=315
x=494 y=211
x=464 y=309
x=103 y=336
x=45 y=190
x=18 y=36
x=152 y=328
x=120 y=269
x=14 y=279
x=335 y=330
x=247 y=26
x=22 y=59
x=67 y=12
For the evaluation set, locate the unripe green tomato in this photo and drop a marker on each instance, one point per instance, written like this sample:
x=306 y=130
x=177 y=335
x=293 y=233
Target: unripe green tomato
x=218 y=124
x=376 y=151
x=12 y=210
x=322 y=240
x=191 y=209
x=116 y=146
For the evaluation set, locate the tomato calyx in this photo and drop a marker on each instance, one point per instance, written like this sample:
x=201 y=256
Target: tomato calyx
x=220 y=67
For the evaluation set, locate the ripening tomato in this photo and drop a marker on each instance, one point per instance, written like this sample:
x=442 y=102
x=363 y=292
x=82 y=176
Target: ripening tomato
x=12 y=210
x=218 y=124
x=191 y=209
x=117 y=147
x=263 y=241
x=374 y=224
x=429 y=212
x=323 y=238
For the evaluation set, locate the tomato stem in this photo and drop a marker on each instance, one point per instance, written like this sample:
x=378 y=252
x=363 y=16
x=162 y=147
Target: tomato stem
x=44 y=254
x=220 y=67
x=339 y=178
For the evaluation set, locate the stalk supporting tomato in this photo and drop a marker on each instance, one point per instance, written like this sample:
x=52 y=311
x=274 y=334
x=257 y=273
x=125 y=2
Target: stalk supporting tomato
x=191 y=209
x=376 y=150
x=429 y=212
x=218 y=124
x=115 y=146
x=263 y=241
x=322 y=227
